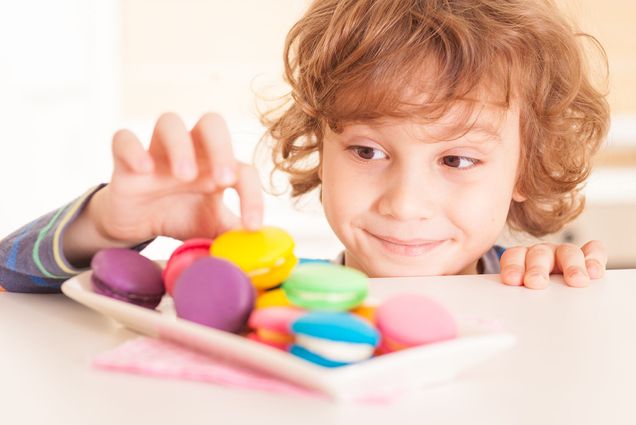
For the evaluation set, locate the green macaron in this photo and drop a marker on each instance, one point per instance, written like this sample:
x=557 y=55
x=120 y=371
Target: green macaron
x=326 y=287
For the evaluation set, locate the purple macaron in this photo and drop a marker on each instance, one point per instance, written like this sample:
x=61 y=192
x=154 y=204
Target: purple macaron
x=126 y=275
x=215 y=293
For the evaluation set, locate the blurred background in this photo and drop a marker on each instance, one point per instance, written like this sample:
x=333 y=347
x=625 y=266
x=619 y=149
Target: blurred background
x=72 y=72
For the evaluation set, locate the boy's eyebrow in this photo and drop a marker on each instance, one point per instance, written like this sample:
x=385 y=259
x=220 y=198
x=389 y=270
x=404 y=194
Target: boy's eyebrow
x=484 y=128
x=487 y=127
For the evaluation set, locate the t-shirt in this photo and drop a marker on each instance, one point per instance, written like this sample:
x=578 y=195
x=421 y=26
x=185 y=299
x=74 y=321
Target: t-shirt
x=488 y=263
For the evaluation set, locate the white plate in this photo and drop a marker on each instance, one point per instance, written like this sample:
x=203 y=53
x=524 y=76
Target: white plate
x=387 y=374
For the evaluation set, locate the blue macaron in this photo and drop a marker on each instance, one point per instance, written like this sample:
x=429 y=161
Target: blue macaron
x=333 y=339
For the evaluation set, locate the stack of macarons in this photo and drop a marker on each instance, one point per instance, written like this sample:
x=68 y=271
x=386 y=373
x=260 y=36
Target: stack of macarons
x=213 y=283
x=321 y=313
x=310 y=315
x=251 y=283
x=218 y=288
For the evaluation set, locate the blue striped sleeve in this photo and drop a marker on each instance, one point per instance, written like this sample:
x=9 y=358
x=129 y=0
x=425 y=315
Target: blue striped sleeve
x=32 y=259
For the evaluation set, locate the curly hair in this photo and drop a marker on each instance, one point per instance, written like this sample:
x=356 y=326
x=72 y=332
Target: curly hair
x=354 y=60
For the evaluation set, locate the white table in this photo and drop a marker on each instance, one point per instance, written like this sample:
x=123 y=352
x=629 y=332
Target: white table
x=574 y=363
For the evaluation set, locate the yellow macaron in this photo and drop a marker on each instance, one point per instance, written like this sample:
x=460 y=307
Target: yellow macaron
x=272 y=298
x=266 y=255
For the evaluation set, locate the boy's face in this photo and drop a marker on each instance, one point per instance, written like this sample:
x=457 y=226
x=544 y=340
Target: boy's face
x=411 y=199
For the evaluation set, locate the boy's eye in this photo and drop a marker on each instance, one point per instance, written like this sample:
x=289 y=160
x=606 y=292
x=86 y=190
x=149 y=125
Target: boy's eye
x=459 y=162
x=367 y=153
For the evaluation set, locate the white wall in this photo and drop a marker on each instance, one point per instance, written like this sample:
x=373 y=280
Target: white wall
x=58 y=95
x=74 y=71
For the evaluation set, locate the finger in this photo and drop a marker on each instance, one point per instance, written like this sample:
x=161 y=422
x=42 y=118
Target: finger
x=595 y=254
x=571 y=260
x=129 y=154
x=539 y=264
x=212 y=135
x=172 y=146
x=513 y=267
x=248 y=187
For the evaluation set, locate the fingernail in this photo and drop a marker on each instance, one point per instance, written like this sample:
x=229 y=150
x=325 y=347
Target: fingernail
x=186 y=171
x=513 y=276
x=225 y=176
x=577 y=273
x=540 y=277
x=593 y=269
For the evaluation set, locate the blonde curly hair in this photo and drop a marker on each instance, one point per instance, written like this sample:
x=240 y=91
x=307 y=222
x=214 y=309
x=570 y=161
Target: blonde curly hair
x=353 y=60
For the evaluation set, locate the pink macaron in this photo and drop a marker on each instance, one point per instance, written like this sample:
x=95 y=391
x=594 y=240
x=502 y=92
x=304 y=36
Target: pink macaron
x=182 y=257
x=409 y=320
x=272 y=325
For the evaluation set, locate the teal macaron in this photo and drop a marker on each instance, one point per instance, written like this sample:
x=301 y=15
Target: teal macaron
x=333 y=339
x=326 y=287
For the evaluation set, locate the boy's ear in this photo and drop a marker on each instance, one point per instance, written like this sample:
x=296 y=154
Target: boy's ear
x=517 y=196
x=320 y=172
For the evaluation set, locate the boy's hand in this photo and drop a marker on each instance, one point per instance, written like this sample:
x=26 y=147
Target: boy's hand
x=175 y=188
x=532 y=266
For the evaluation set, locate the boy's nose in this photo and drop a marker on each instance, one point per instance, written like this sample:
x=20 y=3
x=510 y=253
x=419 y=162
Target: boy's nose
x=408 y=195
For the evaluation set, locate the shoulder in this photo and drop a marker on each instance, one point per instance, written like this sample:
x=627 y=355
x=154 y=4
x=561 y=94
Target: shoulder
x=490 y=260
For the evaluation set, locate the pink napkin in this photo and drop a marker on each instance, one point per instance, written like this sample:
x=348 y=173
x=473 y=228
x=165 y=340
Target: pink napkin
x=160 y=358
x=154 y=357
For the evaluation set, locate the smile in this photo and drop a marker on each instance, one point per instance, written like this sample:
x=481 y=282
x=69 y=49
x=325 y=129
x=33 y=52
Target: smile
x=408 y=248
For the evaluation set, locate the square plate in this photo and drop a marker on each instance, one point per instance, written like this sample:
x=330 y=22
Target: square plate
x=385 y=375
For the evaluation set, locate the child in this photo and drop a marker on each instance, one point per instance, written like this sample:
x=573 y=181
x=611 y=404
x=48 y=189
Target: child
x=426 y=125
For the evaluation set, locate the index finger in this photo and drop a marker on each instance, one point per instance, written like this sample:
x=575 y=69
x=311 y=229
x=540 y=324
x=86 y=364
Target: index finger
x=513 y=268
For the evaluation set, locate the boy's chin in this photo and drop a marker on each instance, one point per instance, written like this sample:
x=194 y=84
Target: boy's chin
x=383 y=269
x=378 y=266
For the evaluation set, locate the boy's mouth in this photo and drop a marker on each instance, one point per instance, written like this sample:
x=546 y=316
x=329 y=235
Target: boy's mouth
x=409 y=248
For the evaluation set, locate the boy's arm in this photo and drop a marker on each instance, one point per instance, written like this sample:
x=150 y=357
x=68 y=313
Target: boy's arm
x=174 y=188
x=32 y=258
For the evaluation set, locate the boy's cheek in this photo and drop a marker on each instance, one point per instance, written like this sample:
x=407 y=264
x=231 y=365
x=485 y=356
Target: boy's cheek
x=480 y=216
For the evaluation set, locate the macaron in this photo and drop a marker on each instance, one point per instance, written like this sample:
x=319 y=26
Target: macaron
x=266 y=255
x=272 y=326
x=365 y=311
x=313 y=260
x=126 y=275
x=182 y=257
x=333 y=339
x=215 y=293
x=272 y=298
x=410 y=320
x=326 y=287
